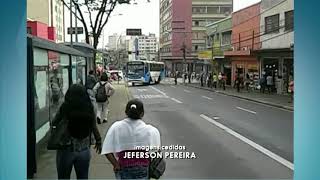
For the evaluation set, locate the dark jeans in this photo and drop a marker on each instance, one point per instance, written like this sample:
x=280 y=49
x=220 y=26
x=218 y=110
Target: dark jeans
x=135 y=172
x=66 y=159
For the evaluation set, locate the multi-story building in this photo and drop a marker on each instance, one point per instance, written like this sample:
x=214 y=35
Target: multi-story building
x=183 y=26
x=50 y=12
x=206 y=12
x=245 y=38
x=116 y=42
x=218 y=41
x=175 y=33
x=147 y=47
x=277 y=40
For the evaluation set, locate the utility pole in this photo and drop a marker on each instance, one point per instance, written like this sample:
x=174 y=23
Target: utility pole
x=76 y=23
x=71 y=38
x=184 y=63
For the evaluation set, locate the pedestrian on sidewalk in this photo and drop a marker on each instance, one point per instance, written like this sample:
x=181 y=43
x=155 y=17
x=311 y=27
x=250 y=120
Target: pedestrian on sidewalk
x=202 y=79
x=176 y=78
x=124 y=137
x=189 y=77
x=262 y=83
x=78 y=114
x=210 y=80
x=103 y=90
x=224 y=80
x=220 y=79
x=269 y=83
x=215 y=80
x=291 y=91
x=90 y=83
x=238 y=82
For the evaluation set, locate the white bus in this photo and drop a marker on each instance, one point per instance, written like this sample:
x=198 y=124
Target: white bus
x=145 y=72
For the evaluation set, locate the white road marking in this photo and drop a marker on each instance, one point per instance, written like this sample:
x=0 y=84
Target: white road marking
x=173 y=86
x=176 y=100
x=150 y=96
x=258 y=147
x=142 y=90
x=187 y=91
x=206 y=97
x=161 y=92
x=249 y=111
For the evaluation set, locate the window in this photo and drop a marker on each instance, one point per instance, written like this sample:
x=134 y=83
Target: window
x=29 y=30
x=213 y=10
x=201 y=10
x=225 y=10
x=289 y=21
x=272 y=24
x=226 y=38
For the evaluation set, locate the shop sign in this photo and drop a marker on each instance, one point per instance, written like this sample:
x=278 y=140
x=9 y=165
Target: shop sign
x=252 y=66
x=205 y=55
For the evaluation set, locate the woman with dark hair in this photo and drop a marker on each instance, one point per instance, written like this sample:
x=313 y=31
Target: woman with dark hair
x=103 y=90
x=124 y=137
x=78 y=113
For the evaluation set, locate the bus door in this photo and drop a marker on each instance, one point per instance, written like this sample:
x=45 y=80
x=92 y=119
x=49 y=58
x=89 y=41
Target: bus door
x=147 y=72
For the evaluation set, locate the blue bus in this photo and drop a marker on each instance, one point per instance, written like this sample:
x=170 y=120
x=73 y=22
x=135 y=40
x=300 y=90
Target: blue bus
x=145 y=72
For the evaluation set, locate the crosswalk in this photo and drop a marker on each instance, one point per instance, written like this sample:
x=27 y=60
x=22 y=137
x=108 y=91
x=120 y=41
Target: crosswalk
x=150 y=96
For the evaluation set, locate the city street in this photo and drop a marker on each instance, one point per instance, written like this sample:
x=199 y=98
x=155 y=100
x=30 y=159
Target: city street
x=232 y=138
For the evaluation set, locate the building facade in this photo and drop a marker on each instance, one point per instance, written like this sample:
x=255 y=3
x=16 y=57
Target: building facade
x=205 y=12
x=147 y=47
x=183 y=26
x=219 y=41
x=116 y=42
x=50 y=12
x=277 y=42
x=175 y=33
x=245 y=38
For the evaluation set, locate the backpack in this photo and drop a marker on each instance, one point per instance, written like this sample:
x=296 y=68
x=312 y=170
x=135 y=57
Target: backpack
x=101 y=95
x=157 y=168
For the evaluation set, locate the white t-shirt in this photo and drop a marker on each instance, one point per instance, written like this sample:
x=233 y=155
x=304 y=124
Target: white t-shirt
x=128 y=134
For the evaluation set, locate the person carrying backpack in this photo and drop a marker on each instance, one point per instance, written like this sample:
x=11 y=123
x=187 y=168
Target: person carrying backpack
x=78 y=117
x=103 y=90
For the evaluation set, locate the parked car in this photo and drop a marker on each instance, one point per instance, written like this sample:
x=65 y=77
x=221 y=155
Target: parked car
x=115 y=74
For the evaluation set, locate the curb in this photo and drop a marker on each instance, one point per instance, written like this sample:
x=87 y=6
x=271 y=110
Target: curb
x=129 y=95
x=245 y=98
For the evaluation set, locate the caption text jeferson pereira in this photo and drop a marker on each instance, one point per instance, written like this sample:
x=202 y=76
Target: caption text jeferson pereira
x=167 y=152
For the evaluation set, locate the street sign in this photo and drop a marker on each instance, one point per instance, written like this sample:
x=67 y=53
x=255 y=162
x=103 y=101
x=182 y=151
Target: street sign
x=79 y=31
x=134 y=32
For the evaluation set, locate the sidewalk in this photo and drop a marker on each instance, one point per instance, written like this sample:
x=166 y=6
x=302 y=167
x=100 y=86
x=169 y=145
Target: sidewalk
x=100 y=168
x=276 y=100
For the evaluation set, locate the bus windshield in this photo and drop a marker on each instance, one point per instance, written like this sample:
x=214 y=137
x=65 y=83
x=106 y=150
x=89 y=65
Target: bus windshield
x=135 y=69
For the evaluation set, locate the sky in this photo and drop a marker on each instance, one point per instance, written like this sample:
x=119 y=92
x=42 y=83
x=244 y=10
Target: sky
x=144 y=15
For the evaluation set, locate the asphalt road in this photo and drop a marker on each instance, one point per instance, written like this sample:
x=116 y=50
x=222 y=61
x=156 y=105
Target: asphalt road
x=231 y=138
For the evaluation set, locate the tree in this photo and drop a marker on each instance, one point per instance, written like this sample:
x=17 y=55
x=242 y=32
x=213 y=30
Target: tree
x=99 y=12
